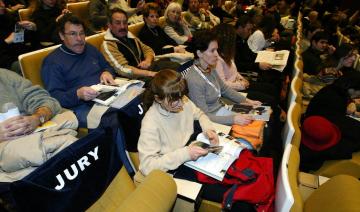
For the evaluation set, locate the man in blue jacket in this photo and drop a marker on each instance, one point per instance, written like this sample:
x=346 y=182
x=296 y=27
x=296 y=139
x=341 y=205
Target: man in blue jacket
x=70 y=70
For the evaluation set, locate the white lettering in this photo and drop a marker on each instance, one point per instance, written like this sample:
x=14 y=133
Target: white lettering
x=94 y=154
x=82 y=162
x=68 y=175
x=61 y=181
x=141 y=110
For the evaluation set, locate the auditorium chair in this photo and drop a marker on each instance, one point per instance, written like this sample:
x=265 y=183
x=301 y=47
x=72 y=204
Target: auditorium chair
x=80 y=9
x=25 y=14
x=156 y=194
x=339 y=193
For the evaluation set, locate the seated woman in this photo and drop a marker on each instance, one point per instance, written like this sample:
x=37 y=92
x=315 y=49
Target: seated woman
x=24 y=108
x=205 y=86
x=330 y=105
x=166 y=130
x=152 y=34
x=175 y=26
x=45 y=16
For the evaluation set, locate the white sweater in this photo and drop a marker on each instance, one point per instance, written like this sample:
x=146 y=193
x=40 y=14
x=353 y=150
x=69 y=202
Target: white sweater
x=163 y=136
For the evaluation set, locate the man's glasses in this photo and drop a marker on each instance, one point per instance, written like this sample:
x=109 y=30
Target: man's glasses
x=75 y=34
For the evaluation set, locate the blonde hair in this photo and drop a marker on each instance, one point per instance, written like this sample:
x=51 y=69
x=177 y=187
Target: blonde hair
x=171 y=6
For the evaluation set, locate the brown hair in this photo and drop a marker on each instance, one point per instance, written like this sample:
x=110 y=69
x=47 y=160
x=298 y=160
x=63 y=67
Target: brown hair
x=148 y=7
x=168 y=84
x=226 y=37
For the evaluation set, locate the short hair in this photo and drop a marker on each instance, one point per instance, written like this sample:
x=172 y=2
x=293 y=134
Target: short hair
x=320 y=35
x=148 y=7
x=267 y=25
x=243 y=20
x=72 y=19
x=166 y=84
x=115 y=10
x=201 y=41
x=171 y=6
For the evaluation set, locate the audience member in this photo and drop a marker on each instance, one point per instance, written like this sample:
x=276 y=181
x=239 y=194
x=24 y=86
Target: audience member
x=217 y=10
x=175 y=27
x=167 y=129
x=329 y=133
x=265 y=34
x=206 y=88
x=69 y=70
x=313 y=62
x=46 y=14
x=9 y=48
x=97 y=15
x=199 y=18
x=126 y=53
x=24 y=108
x=130 y=12
x=153 y=35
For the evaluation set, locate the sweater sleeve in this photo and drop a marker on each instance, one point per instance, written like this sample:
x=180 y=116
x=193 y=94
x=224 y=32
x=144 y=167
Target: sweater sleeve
x=54 y=81
x=32 y=96
x=197 y=93
x=179 y=39
x=149 y=146
x=204 y=121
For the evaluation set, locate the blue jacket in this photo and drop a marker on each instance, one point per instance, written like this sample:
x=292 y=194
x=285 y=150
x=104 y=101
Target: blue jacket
x=63 y=72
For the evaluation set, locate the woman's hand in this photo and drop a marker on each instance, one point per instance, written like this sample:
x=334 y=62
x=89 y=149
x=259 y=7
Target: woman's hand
x=243 y=119
x=253 y=103
x=28 y=25
x=18 y=126
x=212 y=136
x=196 y=151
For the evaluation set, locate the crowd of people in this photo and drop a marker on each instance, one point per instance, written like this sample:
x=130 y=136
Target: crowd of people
x=222 y=39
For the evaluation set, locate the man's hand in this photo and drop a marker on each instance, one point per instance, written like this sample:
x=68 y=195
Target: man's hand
x=18 y=126
x=107 y=78
x=331 y=49
x=86 y=93
x=17 y=7
x=212 y=136
x=145 y=64
x=265 y=66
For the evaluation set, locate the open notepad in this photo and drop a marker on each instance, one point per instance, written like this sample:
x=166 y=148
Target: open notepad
x=109 y=93
x=215 y=165
x=277 y=59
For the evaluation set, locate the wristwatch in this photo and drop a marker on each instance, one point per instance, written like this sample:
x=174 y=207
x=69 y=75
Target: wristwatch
x=42 y=119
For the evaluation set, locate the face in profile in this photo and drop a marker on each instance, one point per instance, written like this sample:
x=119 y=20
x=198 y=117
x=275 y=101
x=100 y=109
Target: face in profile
x=209 y=57
x=349 y=60
x=194 y=6
x=73 y=37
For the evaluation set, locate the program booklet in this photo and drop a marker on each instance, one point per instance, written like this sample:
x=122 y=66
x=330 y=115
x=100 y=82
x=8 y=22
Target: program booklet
x=278 y=59
x=109 y=93
x=219 y=159
x=261 y=113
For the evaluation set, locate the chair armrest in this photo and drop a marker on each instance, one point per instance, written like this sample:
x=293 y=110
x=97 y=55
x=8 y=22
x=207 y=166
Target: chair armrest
x=157 y=193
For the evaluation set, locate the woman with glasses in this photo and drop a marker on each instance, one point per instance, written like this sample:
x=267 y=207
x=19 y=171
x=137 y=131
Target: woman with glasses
x=175 y=26
x=166 y=130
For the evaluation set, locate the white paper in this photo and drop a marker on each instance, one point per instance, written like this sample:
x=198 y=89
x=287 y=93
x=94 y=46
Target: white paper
x=187 y=188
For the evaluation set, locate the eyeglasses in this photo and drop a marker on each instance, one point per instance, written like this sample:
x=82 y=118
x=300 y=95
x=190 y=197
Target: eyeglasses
x=75 y=34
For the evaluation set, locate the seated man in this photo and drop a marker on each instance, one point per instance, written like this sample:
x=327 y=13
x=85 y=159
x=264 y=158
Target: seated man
x=314 y=56
x=198 y=18
x=126 y=53
x=68 y=71
x=24 y=108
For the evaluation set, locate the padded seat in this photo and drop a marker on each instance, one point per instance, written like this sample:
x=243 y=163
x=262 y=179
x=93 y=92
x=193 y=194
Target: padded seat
x=156 y=194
